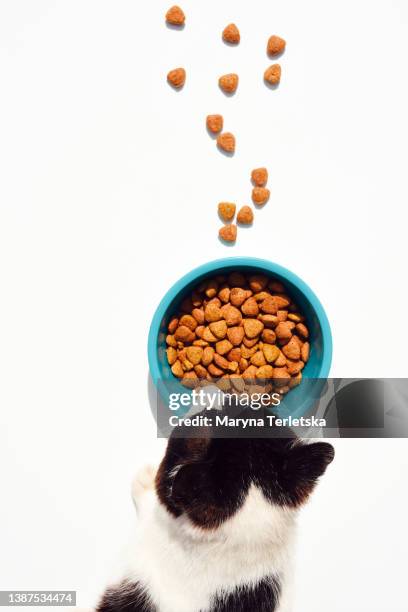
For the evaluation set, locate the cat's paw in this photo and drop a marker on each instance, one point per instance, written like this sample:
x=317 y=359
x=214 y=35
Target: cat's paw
x=143 y=482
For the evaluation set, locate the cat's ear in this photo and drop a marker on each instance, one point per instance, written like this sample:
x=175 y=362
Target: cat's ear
x=303 y=466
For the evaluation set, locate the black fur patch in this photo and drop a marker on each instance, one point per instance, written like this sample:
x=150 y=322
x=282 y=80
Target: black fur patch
x=126 y=597
x=262 y=598
x=208 y=478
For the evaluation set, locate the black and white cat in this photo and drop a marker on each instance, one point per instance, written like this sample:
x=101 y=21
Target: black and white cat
x=217 y=524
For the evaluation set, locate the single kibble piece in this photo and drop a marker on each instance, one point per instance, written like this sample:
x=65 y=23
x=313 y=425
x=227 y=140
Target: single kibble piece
x=226 y=142
x=283 y=331
x=177 y=369
x=208 y=355
x=171 y=355
x=272 y=75
x=236 y=279
x=271 y=352
x=238 y=296
x=292 y=350
x=258 y=282
x=260 y=195
x=282 y=302
x=276 y=287
x=252 y=328
x=172 y=326
x=258 y=359
x=189 y=321
x=265 y=372
x=234 y=355
x=281 y=360
x=276 y=45
x=219 y=329
x=226 y=210
x=175 y=16
x=190 y=380
x=231 y=315
x=228 y=83
x=259 y=177
x=198 y=314
x=184 y=334
x=224 y=294
x=223 y=346
x=305 y=351
x=228 y=233
x=235 y=335
x=250 y=307
x=215 y=123
x=269 y=305
x=212 y=313
x=245 y=215
x=302 y=330
x=281 y=374
x=221 y=362
x=177 y=78
x=194 y=354
x=231 y=34
x=251 y=343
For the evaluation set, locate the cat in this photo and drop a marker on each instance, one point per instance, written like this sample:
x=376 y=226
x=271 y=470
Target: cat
x=217 y=525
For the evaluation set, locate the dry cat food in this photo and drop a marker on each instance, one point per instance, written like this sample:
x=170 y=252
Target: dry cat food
x=226 y=210
x=259 y=177
x=245 y=215
x=241 y=332
x=273 y=74
x=226 y=142
x=228 y=83
x=260 y=194
x=228 y=233
x=231 y=34
x=175 y=16
x=177 y=77
x=276 y=46
x=215 y=123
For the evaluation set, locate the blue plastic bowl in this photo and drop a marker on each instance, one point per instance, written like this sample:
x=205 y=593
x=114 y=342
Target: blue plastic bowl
x=299 y=400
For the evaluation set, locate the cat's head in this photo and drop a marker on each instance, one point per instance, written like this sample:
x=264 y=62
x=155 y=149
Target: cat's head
x=208 y=479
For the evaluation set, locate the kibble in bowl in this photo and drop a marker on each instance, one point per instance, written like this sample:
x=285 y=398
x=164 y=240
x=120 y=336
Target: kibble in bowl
x=237 y=322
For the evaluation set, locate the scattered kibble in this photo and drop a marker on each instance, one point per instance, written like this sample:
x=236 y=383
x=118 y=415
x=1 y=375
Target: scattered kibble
x=226 y=210
x=245 y=215
x=260 y=195
x=231 y=34
x=228 y=83
x=175 y=16
x=215 y=123
x=226 y=142
x=228 y=233
x=276 y=45
x=177 y=78
x=273 y=74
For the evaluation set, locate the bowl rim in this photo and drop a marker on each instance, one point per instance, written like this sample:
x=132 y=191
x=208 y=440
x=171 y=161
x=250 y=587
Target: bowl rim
x=211 y=267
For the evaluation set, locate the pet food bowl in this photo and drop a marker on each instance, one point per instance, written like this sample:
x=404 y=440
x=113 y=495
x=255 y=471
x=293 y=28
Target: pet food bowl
x=300 y=399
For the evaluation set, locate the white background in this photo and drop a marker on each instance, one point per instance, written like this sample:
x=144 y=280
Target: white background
x=108 y=193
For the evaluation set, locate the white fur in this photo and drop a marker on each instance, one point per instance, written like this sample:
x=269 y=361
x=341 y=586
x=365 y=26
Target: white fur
x=182 y=566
